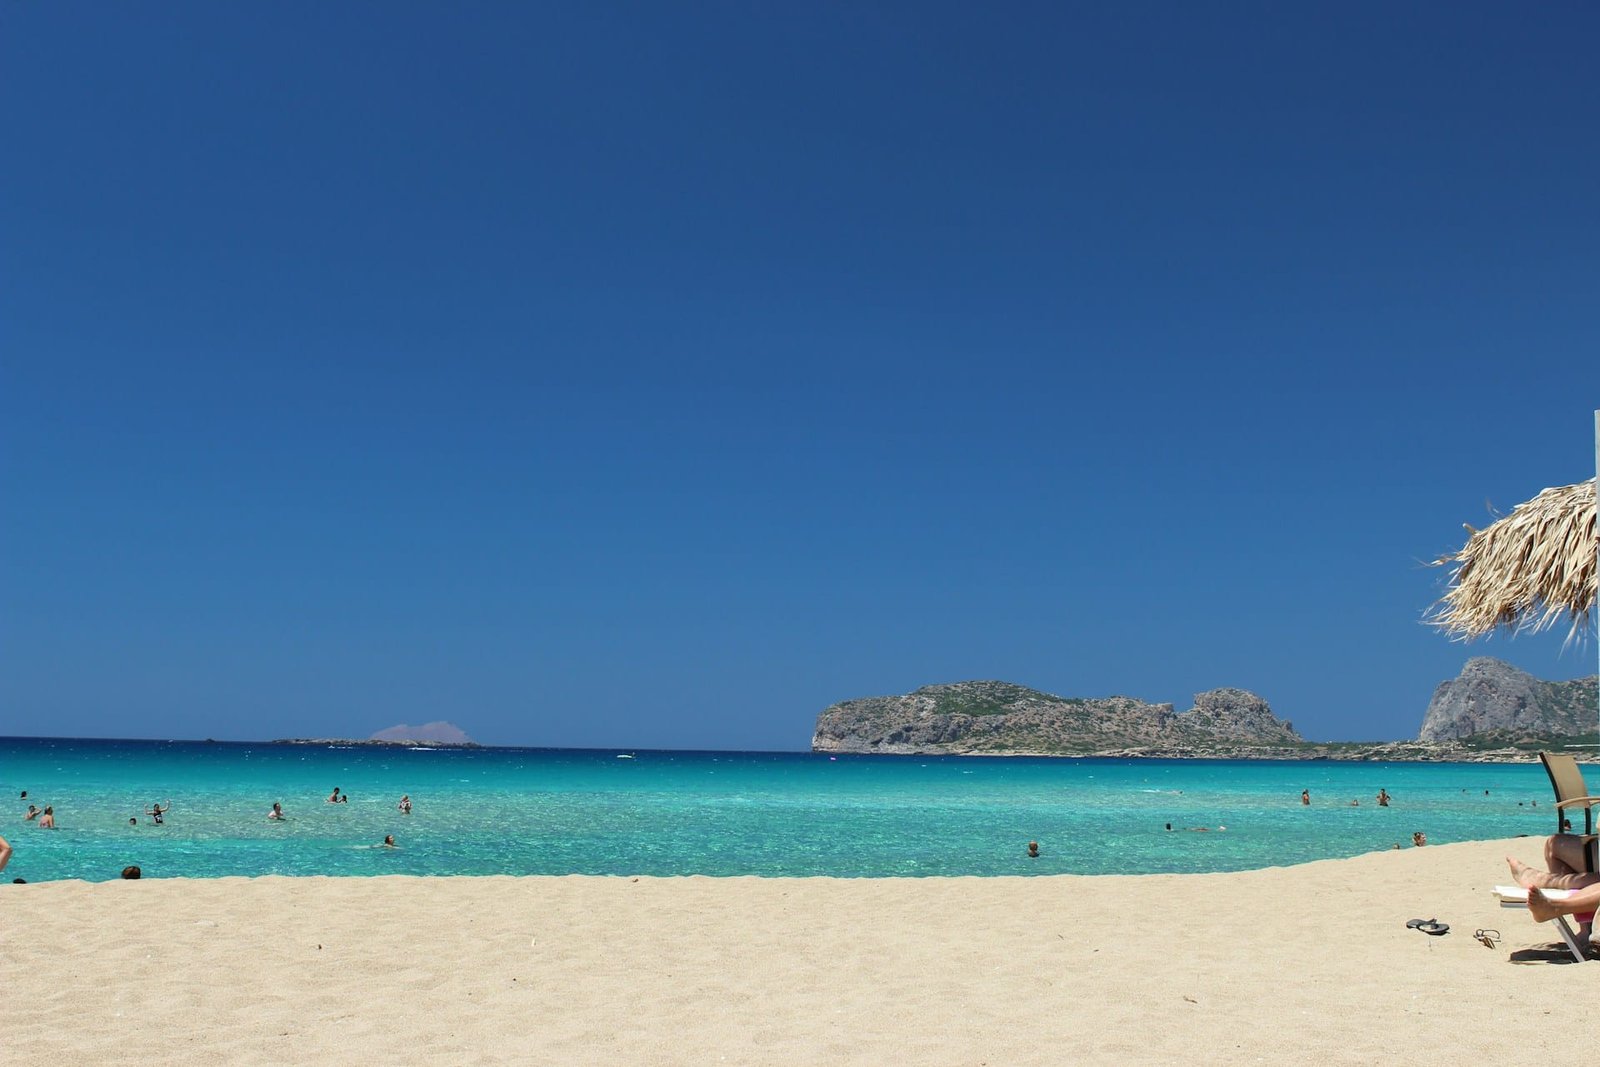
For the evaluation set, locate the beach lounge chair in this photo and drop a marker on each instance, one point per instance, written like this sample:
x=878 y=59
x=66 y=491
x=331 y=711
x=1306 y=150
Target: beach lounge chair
x=1514 y=896
x=1571 y=792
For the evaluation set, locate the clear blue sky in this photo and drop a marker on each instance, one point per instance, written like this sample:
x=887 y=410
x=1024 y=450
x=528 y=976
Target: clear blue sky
x=657 y=375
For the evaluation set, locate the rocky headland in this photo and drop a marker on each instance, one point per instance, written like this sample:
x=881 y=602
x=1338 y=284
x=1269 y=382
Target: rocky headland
x=1492 y=699
x=1493 y=712
x=993 y=718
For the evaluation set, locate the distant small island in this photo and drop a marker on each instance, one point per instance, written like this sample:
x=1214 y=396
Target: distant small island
x=429 y=735
x=367 y=742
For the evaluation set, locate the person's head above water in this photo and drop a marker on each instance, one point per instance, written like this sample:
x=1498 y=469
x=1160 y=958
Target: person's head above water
x=132 y=872
x=388 y=839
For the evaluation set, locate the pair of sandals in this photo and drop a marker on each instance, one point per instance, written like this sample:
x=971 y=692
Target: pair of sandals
x=1486 y=938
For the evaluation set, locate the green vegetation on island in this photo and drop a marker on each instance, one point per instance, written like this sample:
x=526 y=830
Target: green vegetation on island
x=1492 y=711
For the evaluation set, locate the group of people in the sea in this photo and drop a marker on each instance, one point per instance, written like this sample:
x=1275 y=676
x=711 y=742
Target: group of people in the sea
x=45 y=819
x=1382 y=798
x=336 y=797
x=1418 y=838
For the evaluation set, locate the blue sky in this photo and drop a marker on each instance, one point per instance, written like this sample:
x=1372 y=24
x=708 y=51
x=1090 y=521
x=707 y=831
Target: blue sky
x=655 y=376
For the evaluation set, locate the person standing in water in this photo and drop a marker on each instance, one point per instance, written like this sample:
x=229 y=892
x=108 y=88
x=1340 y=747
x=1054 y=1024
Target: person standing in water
x=333 y=798
x=156 y=811
x=276 y=814
x=1305 y=797
x=1383 y=797
x=405 y=805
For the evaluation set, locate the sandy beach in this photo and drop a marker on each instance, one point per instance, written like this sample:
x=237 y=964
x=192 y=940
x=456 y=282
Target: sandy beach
x=1277 y=966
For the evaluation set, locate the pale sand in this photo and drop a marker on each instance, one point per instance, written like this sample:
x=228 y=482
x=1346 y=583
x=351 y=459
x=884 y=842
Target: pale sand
x=1282 y=966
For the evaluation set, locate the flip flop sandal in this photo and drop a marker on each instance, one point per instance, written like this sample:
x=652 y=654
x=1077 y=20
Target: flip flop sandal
x=1487 y=937
x=1415 y=924
x=1434 y=928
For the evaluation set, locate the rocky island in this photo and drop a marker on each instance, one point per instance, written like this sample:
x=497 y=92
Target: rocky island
x=1001 y=718
x=1492 y=712
x=429 y=735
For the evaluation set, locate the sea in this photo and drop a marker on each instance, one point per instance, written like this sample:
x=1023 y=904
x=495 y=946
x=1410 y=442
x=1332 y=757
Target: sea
x=530 y=811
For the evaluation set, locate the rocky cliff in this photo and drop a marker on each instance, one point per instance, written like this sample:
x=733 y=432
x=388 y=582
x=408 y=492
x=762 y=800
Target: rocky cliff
x=1000 y=717
x=1491 y=697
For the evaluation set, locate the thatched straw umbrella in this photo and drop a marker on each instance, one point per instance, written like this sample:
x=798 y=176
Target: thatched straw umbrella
x=1536 y=565
x=1526 y=571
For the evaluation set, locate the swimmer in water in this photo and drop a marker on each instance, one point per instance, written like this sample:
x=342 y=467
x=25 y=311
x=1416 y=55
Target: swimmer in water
x=333 y=798
x=404 y=805
x=388 y=841
x=156 y=811
x=276 y=814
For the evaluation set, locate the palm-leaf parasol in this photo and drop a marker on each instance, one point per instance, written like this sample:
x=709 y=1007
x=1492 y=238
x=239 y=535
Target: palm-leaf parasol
x=1534 y=566
x=1525 y=571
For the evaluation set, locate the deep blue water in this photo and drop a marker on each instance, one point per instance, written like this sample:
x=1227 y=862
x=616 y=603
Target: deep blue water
x=544 y=811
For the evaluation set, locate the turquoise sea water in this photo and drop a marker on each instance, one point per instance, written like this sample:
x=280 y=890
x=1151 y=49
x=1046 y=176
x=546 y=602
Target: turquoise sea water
x=542 y=811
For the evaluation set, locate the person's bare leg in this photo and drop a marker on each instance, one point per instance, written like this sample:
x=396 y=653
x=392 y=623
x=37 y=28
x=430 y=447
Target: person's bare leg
x=1525 y=876
x=1583 y=902
x=1530 y=877
x=1567 y=863
x=1544 y=909
x=1565 y=854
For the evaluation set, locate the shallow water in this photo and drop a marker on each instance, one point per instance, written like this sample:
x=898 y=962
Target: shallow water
x=544 y=811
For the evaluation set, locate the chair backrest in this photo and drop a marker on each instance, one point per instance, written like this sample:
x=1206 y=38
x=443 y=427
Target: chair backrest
x=1566 y=779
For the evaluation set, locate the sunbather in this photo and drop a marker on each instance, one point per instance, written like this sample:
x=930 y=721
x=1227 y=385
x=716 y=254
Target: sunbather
x=1584 y=900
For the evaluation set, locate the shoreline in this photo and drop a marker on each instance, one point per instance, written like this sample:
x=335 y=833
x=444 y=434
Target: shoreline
x=1403 y=751
x=1157 y=968
x=911 y=879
